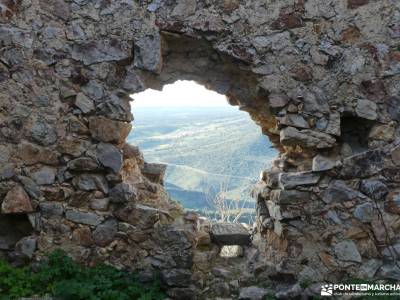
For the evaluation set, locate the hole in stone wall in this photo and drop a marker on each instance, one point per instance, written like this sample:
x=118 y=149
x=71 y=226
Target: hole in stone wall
x=12 y=229
x=355 y=135
x=213 y=151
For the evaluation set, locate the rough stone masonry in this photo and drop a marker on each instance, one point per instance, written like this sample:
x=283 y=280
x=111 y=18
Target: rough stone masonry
x=320 y=77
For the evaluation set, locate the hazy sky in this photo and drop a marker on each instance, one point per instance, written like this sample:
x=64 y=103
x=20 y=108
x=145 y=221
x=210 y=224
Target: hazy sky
x=179 y=94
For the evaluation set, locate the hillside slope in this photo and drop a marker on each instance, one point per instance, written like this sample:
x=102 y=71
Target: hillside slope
x=203 y=147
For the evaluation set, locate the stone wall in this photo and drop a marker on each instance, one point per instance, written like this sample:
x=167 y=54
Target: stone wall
x=320 y=77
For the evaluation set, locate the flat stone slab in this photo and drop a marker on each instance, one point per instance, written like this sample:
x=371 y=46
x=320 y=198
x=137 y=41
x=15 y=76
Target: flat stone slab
x=230 y=234
x=154 y=172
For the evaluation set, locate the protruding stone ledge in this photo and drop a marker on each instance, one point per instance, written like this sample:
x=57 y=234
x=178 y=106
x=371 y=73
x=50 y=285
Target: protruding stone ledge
x=289 y=181
x=230 y=234
x=154 y=172
x=289 y=197
x=290 y=136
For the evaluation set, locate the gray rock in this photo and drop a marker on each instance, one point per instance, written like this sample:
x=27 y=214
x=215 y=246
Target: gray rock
x=153 y=6
x=323 y=163
x=90 y=182
x=220 y=288
x=221 y=272
x=364 y=164
x=291 y=292
x=176 y=277
x=132 y=82
x=74 y=147
x=84 y=103
x=289 y=181
x=392 y=251
x=105 y=232
x=333 y=216
x=51 y=209
x=43 y=133
x=380 y=133
x=289 y=196
x=314 y=104
x=275 y=42
x=278 y=100
x=389 y=270
x=310 y=274
x=184 y=9
x=57 y=8
x=101 y=51
x=82 y=164
x=147 y=53
x=30 y=187
x=109 y=156
x=369 y=268
x=261 y=208
x=26 y=246
x=294 y=120
x=44 y=176
x=93 y=89
x=338 y=191
x=230 y=234
x=100 y=204
x=116 y=108
x=187 y=293
x=347 y=251
x=81 y=217
x=252 y=293
x=374 y=189
x=334 y=124
x=364 y=212
x=154 y=172
x=7 y=171
x=5 y=154
x=395 y=154
x=290 y=136
x=366 y=109
x=123 y=193
x=14 y=36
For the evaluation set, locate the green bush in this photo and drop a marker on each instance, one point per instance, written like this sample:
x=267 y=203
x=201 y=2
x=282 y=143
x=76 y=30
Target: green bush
x=64 y=279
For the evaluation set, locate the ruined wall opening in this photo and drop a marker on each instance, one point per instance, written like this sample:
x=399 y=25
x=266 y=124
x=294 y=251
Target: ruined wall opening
x=194 y=60
x=213 y=152
x=355 y=133
x=13 y=228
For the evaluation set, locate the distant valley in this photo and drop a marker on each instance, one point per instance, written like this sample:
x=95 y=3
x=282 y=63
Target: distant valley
x=206 y=150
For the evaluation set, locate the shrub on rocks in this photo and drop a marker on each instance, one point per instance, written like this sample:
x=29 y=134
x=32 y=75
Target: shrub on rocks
x=62 y=278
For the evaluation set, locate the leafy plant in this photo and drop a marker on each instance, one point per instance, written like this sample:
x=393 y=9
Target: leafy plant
x=61 y=277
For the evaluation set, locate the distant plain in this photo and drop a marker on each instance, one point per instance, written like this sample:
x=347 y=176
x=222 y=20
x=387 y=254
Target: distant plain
x=205 y=148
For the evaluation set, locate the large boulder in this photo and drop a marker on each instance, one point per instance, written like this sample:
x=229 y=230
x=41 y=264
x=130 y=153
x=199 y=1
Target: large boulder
x=123 y=193
x=101 y=51
x=16 y=201
x=154 y=172
x=230 y=234
x=109 y=156
x=307 y=138
x=289 y=181
x=347 y=251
